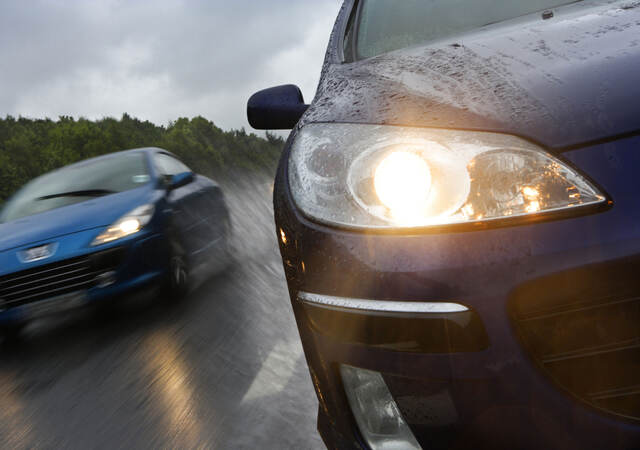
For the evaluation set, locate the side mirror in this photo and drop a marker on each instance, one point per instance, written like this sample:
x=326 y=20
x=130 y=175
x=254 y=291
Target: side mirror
x=276 y=108
x=180 y=179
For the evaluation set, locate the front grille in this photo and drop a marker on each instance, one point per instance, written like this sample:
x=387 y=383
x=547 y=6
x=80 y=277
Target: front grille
x=582 y=327
x=46 y=281
x=59 y=278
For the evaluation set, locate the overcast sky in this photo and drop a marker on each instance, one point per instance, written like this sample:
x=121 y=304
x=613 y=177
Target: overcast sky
x=157 y=60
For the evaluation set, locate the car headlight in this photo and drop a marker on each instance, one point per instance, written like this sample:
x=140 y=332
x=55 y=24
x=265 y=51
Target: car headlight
x=127 y=225
x=366 y=176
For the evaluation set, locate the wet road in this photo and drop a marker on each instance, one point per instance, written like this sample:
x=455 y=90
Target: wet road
x=223 y=369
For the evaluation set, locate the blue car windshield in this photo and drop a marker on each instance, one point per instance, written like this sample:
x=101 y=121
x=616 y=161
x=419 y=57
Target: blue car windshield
x=77 y=183
x=386 y=25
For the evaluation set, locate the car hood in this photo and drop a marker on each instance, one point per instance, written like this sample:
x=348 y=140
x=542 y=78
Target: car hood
x=560 y=82
x=94 y=213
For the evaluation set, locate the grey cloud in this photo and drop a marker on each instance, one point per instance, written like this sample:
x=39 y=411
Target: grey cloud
x=156 y=60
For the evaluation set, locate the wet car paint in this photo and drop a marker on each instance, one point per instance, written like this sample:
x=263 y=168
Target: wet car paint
x=191 y=216
x=560 y=82
x=479 y=269
x=564 y=83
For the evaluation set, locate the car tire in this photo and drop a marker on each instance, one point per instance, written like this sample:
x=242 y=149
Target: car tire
x=178 y=278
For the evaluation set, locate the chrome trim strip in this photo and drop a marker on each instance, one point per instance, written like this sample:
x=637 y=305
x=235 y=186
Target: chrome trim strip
x=388 y=306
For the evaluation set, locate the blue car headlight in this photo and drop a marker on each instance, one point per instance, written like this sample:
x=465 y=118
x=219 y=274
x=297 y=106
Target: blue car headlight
x=129 y=224
x=367 y=176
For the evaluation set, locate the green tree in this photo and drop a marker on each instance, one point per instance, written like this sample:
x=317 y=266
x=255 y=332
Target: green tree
x=31 y=147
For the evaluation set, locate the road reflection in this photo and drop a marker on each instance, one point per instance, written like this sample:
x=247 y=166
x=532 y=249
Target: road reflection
x=224 y=369
x=16 y=429
x=168 y=378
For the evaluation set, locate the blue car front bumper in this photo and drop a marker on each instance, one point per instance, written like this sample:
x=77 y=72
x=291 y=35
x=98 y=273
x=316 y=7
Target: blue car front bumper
x=80 y=274
x=144 y=262
x=547 y=356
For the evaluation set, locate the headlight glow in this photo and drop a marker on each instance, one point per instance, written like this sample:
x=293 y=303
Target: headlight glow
x=130 y=226
x=367 y=176
x=402 y=182
x=127 y=225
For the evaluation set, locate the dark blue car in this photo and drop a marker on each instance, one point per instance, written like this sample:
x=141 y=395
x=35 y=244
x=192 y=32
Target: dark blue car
x=458 y=213
x=107 y=226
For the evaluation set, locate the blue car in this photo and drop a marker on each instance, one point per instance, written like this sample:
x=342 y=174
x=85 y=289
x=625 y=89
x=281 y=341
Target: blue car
x=104 y=227
x=458 y=214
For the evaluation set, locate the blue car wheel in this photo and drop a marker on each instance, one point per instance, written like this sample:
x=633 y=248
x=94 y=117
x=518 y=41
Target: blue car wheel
x=178 y=277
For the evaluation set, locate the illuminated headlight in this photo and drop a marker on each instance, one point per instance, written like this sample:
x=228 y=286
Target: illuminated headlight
x=365 y=176
x=127 y=225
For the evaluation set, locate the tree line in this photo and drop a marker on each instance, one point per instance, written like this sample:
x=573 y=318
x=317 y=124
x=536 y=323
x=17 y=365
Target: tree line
x=31 y=147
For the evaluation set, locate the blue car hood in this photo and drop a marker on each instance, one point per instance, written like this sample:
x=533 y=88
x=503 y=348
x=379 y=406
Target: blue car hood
x=561 y=82
x=94 y=213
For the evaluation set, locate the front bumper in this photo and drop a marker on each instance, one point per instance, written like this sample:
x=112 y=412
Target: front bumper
x=100 y=274
x=502 y=392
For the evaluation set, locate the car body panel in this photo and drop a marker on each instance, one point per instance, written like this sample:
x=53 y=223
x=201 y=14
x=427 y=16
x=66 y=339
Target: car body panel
x=143 y=264
x=71 y=219
x=568 y=84
x=560 y=82
x=479 y=269
x=181 y=220
x=198 y=215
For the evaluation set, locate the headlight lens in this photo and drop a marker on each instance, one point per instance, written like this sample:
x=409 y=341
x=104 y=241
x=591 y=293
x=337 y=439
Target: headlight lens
x=367 y=176
x=127 y=225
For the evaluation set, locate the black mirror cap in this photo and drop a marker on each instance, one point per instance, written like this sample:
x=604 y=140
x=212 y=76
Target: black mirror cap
x=181 y=179
x=276 y=108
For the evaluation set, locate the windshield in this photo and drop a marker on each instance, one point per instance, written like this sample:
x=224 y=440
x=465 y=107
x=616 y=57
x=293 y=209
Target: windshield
x=386 y=25
x=78 y=183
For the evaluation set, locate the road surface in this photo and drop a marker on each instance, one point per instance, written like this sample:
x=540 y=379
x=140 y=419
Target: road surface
x=224 y=369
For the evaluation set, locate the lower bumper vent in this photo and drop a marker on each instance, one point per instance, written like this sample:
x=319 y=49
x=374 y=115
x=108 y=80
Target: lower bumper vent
x=582 y=327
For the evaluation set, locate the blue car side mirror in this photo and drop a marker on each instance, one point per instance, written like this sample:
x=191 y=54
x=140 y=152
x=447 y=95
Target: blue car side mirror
x=180 y=179
x=276 y=108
